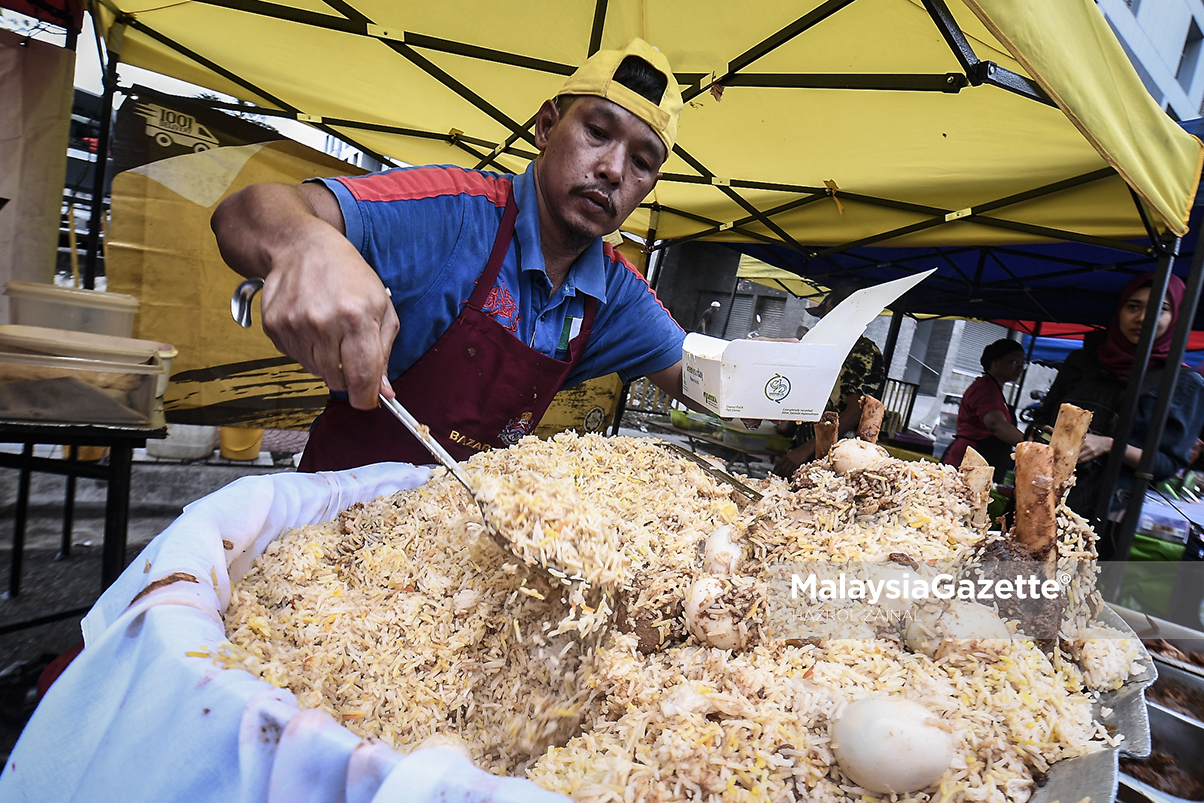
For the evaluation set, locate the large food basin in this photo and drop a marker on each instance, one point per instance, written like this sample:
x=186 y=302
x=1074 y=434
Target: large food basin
x=147 y=713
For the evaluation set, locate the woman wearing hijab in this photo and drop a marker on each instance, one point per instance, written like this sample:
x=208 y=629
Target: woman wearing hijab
x=1095 y=379
x=984 y=420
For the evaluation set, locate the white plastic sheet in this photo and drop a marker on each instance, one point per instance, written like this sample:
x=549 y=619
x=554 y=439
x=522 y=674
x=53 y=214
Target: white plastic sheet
x=135 y=718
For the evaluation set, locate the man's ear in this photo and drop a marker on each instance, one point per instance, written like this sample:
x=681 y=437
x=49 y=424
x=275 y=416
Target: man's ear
x=545 y=119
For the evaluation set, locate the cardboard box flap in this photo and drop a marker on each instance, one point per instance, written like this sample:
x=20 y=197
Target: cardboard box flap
x=776 y=380
x=842 y=326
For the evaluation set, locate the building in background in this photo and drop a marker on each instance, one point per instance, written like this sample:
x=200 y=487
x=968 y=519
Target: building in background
x=1163 y=40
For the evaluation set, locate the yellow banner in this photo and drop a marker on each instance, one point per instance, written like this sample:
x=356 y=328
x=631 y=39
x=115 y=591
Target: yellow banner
x=162 y=250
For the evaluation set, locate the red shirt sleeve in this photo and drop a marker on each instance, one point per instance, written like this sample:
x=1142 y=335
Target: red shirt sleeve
x=983 y=396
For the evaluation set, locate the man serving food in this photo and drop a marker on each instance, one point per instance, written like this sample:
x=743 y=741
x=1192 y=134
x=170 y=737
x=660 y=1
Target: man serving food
x=472 y=297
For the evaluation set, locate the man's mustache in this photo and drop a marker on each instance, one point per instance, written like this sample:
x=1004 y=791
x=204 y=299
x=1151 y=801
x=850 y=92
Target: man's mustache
x=582 y=189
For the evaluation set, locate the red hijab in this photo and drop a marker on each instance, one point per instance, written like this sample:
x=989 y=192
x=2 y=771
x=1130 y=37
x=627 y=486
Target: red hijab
x=1116 y=352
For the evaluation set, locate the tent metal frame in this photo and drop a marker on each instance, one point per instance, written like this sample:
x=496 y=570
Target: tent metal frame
x=409 y=44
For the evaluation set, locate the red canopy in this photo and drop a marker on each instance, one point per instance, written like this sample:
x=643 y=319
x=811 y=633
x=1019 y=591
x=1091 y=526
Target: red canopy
x=1075 y=331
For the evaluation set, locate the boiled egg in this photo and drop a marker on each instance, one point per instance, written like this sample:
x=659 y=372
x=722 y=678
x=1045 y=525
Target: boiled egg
x=958 y=624
x=721 y=557
x=711 y=622
x=887 y=744
x=854 y=455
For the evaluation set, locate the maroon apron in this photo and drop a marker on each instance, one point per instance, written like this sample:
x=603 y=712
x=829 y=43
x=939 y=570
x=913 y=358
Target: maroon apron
x=479 y=387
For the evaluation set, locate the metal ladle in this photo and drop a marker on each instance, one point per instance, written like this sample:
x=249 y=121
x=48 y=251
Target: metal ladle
x=240 y=310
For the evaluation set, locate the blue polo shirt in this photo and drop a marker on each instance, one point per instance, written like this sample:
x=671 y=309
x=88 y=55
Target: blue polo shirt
x=428 y=231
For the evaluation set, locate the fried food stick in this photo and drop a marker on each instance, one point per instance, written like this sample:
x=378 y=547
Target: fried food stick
x=978 y=474
x=872 y=412
x=1036 y=498
x=826 y=433
x=1070 y=430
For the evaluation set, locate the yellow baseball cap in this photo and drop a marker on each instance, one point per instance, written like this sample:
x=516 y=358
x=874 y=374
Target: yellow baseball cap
x=596 y=77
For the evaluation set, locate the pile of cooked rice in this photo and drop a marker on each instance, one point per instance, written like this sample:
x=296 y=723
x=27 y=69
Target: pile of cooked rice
x=544 y=523
x=407 y=624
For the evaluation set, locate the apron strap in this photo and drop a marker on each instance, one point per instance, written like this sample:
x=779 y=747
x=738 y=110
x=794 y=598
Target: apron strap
x=501 y=244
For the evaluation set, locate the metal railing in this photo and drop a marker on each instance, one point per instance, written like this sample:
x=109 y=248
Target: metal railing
x=646 y=397
x=899 y=398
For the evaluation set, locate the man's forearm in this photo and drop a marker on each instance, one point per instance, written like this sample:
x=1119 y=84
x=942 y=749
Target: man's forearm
x=669 y=380
x=322 y=304
x=257 y=224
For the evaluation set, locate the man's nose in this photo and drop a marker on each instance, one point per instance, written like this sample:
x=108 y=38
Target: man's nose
x=610 y=164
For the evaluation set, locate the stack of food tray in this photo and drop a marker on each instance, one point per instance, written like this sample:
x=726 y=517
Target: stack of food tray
x=1175 y=769
x=80 y=377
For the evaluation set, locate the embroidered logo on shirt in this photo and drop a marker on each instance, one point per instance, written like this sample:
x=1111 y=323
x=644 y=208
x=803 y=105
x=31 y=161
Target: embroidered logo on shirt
x=500 y=306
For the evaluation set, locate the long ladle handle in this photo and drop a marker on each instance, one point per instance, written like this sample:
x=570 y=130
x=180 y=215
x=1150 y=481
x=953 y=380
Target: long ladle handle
x=240 y=302
x=424 y=437
x=240 y=311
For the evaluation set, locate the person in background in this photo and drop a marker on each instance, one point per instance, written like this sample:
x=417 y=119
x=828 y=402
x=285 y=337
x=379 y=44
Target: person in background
x=863 y=373
x=1095 y=379
x=706 y=326
x=1197 y=451
x=984 y=420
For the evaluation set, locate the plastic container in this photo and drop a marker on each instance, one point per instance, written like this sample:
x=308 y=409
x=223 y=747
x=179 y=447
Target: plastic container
x=36 y=387
x=106 y=348
x=241 y=444
x=34 y=304
x=778 y=443
x=750 y=441
x=184 y=442
x=706 y=424
x=765 y=438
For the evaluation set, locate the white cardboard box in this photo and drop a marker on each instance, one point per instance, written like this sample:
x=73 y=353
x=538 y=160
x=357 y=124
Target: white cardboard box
x=765 y=379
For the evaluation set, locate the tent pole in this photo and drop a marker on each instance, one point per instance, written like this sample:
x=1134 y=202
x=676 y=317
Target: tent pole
x=654 y=219
x=100 y=171
x=1128 y=404
x=1166 y=391
x=652 y=278
x=892 y=338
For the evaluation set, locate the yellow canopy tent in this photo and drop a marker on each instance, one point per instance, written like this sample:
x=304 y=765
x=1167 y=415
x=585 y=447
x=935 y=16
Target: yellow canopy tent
x=814 y=123
x=767 y=275
x=818 y=125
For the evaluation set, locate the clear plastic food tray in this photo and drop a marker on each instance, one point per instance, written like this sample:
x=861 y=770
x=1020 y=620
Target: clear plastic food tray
x=89 y=346
x=36 y=387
